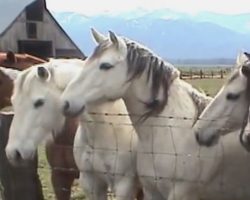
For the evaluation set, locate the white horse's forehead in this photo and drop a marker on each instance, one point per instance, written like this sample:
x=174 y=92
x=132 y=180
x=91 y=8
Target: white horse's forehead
x=29 y=87
x=236 y=82
x=106 y=53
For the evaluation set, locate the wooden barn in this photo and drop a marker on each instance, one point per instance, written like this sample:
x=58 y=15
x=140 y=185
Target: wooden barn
x=27 y=26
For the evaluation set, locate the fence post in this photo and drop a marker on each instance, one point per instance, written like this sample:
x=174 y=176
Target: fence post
x=212 y=74
x=221 y=74
x=18 y=182
x=201 y=74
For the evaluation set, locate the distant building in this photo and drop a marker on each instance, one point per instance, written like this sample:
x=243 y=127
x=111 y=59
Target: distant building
x=27 y=26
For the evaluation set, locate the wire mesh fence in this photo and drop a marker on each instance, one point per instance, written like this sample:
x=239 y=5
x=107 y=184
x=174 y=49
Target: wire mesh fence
x=171 y=158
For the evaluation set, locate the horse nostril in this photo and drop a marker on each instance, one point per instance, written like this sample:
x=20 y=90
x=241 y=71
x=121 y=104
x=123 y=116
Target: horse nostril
x=17 y=155
x=197 y=137
x=248 y=138
x=66 y=106
x=246 y=70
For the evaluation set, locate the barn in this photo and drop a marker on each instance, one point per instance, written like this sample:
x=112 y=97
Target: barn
x=27 y=26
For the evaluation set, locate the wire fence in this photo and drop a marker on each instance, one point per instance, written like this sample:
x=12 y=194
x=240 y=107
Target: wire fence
x=181 y=158
x=221 y=171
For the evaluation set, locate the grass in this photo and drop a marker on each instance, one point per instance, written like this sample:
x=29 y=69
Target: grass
x=210 y=86
x=44 y=173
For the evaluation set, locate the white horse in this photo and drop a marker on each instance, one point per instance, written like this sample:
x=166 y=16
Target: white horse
x=170 y=163
x=104 y=152
x=229 y=109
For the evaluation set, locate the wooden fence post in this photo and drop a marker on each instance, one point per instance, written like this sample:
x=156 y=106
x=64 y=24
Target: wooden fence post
x=191 y=74
x=201 y=74
x=221 y=74
x=18 y=182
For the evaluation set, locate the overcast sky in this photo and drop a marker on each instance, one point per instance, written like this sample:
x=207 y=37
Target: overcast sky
x=91 y=7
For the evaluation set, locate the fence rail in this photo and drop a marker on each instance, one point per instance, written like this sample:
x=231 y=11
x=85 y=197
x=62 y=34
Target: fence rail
x=203 y=74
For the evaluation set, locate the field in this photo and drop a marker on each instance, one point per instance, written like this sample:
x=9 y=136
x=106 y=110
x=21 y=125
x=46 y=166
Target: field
x=210 y=86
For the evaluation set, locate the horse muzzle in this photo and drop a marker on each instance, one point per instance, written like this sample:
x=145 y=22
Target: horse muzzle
x=71 y=111
x=207 y=141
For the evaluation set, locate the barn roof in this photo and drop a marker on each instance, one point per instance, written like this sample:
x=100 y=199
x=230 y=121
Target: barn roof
x=10 y=10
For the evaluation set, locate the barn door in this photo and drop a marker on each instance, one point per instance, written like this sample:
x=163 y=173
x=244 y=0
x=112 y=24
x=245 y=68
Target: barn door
x=42 y=49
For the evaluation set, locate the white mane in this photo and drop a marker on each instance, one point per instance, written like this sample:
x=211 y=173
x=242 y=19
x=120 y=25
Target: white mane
x=60 y=77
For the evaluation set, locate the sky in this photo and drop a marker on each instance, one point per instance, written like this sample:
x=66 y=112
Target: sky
x=92 y=7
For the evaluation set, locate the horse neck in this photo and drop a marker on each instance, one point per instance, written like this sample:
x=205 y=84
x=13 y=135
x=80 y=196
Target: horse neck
x=180 y=105
x=67 y=134
x=99 y=121
x=62 y=75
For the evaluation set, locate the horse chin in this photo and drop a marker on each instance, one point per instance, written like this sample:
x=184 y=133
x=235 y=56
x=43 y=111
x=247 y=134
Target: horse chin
x=246 y=142
x=20 y=162
x=20 y=158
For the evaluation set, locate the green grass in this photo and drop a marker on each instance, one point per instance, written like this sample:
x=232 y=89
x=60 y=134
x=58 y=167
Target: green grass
x=44 y=173
x=210 y=86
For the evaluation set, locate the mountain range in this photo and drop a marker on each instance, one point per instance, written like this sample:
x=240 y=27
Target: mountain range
x=172 y=35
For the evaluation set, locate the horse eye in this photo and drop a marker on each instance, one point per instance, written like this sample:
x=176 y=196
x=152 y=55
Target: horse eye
x=106 y=66
x=232 y=96
x=38 y=103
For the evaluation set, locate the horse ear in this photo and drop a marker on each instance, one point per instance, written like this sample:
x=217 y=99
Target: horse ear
x=113 y=38
x=247 y=55
x=10 y=57
x=241 y=58
x=98 y=37
x=11 y=73
x=43 y=73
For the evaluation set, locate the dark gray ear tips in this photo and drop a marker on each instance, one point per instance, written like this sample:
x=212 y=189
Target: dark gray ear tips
x=247 y=54
x=42 y=72
x=113 y=37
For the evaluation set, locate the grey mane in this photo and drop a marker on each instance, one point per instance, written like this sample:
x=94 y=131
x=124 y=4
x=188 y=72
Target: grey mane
x=201 y=100
x=161 y=74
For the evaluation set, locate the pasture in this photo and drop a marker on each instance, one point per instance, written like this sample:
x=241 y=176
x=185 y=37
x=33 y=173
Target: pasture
x=208 y=85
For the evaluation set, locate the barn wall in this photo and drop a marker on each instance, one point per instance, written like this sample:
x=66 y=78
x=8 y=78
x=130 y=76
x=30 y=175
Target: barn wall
x=47 y=30
x=51 y=31
x=16 y=32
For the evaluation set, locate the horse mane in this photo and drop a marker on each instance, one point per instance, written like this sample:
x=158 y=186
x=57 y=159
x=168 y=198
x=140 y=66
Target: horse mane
x=21 y=79
x=28 y=75
x=200 y=99
x=159 y=72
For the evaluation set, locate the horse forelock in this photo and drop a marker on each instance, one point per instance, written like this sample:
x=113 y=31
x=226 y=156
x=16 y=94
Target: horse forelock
x=24 y=81
x=102 y=47
x=21 y=81
x=161 y=74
